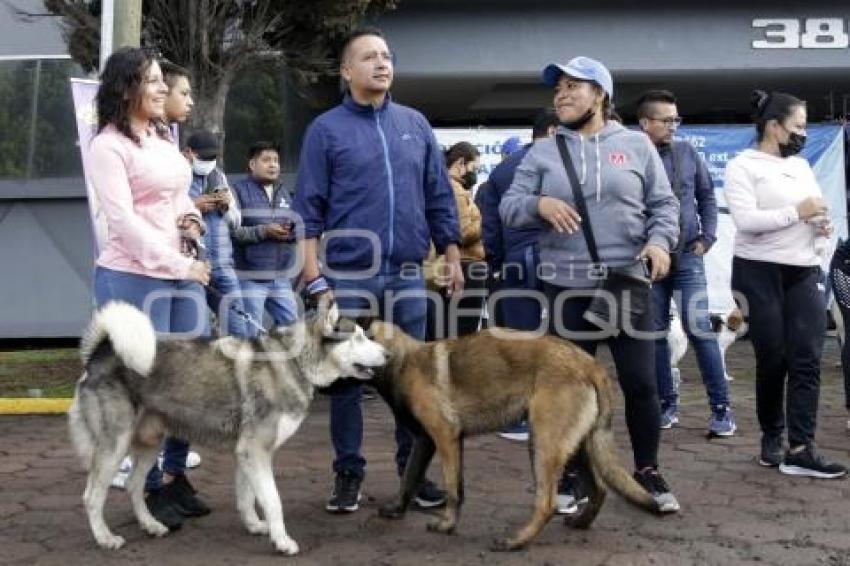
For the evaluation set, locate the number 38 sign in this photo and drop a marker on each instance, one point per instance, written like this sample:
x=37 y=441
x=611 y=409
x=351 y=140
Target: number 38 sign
x=806 y=33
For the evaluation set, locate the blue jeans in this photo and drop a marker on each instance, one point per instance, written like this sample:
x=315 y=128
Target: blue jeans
x=409 y=313
x=174 y=306
x=687 y=285
x=224 y=296
x=274 y=296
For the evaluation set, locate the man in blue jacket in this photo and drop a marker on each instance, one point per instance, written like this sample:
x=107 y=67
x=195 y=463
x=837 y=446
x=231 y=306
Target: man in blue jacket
x=264 y=247
x=658 y=117
x=512 y=253
x=372 y=184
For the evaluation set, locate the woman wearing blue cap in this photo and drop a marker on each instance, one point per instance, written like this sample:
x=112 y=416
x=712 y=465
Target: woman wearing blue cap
x=628 y=222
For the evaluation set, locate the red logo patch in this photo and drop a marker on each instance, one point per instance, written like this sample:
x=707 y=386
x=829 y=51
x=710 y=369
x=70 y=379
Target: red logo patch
x=617 y=158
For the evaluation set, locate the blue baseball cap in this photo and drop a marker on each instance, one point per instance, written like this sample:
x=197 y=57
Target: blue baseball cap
x=583 y=69
x=511 y=145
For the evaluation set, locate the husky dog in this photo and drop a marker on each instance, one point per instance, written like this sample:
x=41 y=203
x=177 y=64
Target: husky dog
x=446 y=390
x=252 y=395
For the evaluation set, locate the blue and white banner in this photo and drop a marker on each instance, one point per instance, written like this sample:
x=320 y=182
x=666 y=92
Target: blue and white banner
x=720 y=144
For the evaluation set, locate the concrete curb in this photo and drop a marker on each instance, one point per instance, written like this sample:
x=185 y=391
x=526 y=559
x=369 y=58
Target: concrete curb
x=29 y=406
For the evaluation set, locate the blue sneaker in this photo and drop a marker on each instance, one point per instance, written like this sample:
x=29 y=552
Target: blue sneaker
x=669 y=417
x=722 y=422
x=517 y=432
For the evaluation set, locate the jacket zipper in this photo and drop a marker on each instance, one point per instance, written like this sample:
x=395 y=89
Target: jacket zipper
x=390 y=187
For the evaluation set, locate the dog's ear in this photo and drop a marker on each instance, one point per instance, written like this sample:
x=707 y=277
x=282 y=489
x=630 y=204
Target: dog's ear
x=365 y=321
x=734 y=320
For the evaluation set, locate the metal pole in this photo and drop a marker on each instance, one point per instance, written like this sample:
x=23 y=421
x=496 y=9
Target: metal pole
x=36 y=86
x=127 y=29
x=107 y=17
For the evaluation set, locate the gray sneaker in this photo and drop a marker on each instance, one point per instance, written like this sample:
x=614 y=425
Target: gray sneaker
x=669 y=417
x=651 y=480
x=722 y=422
x=570 y=494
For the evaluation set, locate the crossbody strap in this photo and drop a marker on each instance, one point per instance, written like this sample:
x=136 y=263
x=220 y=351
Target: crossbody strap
x=578 y=197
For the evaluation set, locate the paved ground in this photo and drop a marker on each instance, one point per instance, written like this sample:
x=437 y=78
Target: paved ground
x=734 y=512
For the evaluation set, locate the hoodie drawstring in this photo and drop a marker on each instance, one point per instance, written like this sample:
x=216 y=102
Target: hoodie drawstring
x=598 y=170
x=583 y=179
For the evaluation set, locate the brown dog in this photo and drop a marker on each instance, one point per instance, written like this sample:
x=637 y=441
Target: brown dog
x=445 y=390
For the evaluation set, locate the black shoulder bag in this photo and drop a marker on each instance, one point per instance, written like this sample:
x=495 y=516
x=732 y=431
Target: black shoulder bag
x=626 y=289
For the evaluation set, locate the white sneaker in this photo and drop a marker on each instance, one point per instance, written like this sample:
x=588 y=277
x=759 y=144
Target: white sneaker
x=120 y=479
x=193 y=459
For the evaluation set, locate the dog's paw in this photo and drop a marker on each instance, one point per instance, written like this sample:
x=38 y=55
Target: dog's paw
x=287 y=546
x=155 y=528
x=505 y=545
x=257 y=527
x=442 y=526
x=110 y=541
x=391 y=511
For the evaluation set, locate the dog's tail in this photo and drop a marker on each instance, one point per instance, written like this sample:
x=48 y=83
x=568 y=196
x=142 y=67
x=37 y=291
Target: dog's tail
x=130 y=333
x=602 y=450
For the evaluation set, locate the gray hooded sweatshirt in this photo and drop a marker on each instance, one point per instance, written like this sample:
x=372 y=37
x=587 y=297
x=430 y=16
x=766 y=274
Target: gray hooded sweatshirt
x=628 y=197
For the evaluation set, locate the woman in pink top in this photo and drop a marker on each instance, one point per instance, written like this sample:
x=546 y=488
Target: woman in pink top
x=141 y=181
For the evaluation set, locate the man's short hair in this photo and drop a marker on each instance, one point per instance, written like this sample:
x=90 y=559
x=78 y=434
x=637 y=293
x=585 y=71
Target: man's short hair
x=357 y=34
x=544 y=120
x=259 y=147
x=651 y=97
x=171 y=72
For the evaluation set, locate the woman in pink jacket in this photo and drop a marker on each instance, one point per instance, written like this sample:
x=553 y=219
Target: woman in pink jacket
x=141 y=182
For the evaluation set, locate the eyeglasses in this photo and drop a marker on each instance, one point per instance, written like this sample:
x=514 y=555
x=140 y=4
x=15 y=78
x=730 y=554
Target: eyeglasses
x=674 y=121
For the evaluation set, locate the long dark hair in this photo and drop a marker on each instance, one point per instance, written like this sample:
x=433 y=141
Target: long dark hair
x=120 y=88
x=774 y=106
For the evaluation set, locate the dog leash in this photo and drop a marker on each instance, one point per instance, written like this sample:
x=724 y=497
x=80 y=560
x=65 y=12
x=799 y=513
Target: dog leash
x=200 y=253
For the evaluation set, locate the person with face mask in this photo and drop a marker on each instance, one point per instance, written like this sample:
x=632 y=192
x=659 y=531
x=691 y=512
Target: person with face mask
x=616 y=175
x=211 y=193
x=460 y=317
x=779 y=212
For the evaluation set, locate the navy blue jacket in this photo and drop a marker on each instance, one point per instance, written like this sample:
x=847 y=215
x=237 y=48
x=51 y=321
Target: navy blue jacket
x=379 y=171
x=698 y=204
x=267 y=258
x=499 y=240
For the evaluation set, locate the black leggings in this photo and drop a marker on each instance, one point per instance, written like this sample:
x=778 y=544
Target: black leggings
x=787 y=322
x=635 y=362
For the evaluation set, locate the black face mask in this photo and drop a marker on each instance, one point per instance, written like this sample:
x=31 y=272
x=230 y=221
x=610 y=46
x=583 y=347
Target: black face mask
x=469 y=179
x=793 y=146
x=580 y=122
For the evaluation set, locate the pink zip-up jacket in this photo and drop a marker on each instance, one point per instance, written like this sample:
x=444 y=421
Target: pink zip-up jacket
x=143 y=191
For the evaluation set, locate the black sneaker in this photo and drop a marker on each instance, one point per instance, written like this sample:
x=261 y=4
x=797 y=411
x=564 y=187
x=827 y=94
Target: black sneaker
x=429 y=495
x=163 y=511
x=650 y=479
x=571 y=494
x=807 y=462
x=771 y=451
x=181 y=495
x=346 y=495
